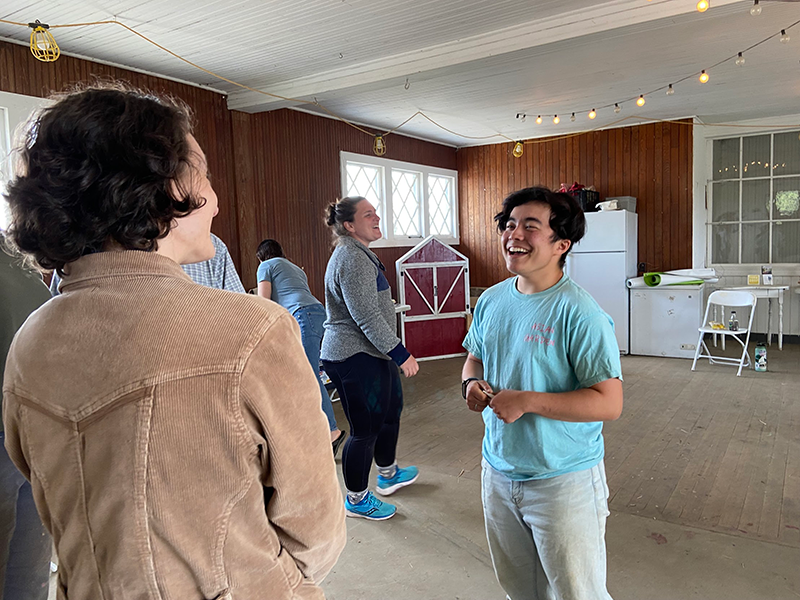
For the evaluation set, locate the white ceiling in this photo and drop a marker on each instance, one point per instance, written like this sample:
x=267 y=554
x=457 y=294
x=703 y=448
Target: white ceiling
x=471 y=65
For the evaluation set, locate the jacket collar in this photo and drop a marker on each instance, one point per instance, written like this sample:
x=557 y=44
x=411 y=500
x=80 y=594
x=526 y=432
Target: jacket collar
x=351 y=242
x=104 y=265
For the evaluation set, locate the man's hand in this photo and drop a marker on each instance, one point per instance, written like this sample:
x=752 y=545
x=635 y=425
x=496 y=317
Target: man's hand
x=508 y=405
x=478 y=395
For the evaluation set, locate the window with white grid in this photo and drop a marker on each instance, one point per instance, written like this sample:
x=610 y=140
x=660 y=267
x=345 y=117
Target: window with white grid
x=413 y=201
x=441 y=217
x=755 y=199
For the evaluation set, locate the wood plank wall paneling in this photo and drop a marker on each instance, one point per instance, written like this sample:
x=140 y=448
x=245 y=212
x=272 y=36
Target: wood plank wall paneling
x=652 y=162
x=21 y=73
x=287 y=171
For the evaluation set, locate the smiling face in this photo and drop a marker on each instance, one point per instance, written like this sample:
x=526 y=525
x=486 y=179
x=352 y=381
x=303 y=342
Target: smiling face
x=365 y=226
x=528 y=246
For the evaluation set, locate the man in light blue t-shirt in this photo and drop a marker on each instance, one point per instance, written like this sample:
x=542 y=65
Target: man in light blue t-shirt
x=543 y=368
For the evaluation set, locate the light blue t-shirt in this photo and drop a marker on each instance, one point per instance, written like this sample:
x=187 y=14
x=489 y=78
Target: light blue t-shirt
x=558 y=340
x=289 y=283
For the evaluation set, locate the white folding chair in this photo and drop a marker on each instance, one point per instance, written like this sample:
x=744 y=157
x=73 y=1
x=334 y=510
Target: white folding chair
x=726 y=299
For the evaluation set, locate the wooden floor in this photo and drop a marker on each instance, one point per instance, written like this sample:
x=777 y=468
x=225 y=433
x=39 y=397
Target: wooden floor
x=705 y=449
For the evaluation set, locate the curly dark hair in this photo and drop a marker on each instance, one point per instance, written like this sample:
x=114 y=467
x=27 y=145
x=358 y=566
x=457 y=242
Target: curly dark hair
x=269 y=249
x=566 y=217
x=100 y=165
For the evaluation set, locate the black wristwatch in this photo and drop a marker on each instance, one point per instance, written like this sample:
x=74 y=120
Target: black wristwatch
x=464 y=385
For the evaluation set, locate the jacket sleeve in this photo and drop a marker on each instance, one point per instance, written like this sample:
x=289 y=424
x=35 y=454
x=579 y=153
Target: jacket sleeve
x=13 y=442
x=306 y=508
x=358 y=284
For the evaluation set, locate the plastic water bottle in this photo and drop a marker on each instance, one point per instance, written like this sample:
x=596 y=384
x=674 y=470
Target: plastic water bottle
x=761 y=357
x=733 y=322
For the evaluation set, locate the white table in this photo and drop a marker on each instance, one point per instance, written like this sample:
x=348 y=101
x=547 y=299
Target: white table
x=769 y=292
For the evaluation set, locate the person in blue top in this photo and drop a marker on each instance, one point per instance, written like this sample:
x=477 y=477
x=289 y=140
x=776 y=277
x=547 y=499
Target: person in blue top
x=283 y=282
x=543 y=368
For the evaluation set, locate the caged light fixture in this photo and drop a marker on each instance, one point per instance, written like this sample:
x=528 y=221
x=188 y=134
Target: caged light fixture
x=379 y=147
x=43 y=44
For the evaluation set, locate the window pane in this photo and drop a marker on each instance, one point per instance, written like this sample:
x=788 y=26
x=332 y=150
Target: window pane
x=755 y=243
x=440 y=205
x=786 y=194
x=755 y=156
x=786 y=242
x=725 y=201
x=725 y=244
x=406 y=204
x=365 y=180
x=726 y=159
x=755 y=200
x=786 y=153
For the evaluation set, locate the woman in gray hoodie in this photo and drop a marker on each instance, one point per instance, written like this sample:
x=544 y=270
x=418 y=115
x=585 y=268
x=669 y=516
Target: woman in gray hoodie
x=361 y=354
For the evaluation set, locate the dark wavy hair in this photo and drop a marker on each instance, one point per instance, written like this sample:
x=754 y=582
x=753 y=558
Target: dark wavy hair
x=269 y=249
x=566 y=217
x=100 y=165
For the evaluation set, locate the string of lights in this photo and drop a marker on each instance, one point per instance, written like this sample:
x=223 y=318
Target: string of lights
x=44 y=47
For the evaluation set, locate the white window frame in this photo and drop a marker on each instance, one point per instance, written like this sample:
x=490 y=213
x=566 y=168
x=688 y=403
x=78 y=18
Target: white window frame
x=386 y=210
x=740 y=267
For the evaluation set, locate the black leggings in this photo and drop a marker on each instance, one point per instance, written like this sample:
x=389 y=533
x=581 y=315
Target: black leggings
x=372 y=398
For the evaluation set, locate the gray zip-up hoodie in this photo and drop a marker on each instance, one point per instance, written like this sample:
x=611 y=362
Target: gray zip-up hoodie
x=358 y=299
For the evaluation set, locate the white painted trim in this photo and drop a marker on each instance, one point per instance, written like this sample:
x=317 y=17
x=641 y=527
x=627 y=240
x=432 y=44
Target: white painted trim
x=423 y=243
x=703 y=138
x=386 y=165
x=425 y=358
x=421 y=295
x=438 y=316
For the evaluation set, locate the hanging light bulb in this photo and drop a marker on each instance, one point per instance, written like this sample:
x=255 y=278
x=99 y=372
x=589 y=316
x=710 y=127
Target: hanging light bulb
x=739 y=60
x=556 y=120
x=539 y=120
x=784 y=36
x=617 y=108
x=592 y=114
x=703 y=5
x=572 y=118
x=640 y=101
x=43 y=45
x=755 y=10
x=670 y=90
x=522 y=117
x=379 y=147
x=518 y=150
x=703 y=77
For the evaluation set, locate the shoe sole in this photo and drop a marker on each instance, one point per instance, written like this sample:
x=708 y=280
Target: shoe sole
x=393 y=488
x=368 y=517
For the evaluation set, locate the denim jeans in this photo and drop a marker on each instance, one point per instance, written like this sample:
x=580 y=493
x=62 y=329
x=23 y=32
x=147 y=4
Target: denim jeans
x=547 y=536
x=25 y=547
x=312 y=320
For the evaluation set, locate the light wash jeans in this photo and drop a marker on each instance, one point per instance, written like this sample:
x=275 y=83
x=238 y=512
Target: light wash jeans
x=547 y=536
x=311 y=320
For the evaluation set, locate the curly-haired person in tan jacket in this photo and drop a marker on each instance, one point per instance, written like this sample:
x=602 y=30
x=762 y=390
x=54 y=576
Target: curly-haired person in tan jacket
x=172 y=433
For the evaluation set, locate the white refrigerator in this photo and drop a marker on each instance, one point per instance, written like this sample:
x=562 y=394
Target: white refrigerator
x=603 y=261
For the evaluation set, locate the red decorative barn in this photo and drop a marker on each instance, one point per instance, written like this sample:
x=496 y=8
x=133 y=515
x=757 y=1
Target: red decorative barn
x=433 y=279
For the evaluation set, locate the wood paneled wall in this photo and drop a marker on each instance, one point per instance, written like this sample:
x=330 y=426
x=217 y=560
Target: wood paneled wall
x=651 y=162
x=21 y=73
x=287 y=171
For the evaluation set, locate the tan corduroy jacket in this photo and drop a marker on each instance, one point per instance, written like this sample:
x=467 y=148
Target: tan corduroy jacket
x=174 y=438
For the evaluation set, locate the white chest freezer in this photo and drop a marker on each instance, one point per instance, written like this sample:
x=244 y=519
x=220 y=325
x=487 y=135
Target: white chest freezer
x=664 y=320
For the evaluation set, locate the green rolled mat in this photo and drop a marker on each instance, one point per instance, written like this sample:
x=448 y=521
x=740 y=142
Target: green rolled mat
x=661 y=279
